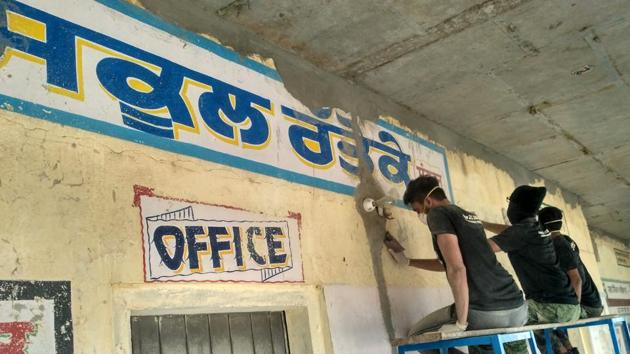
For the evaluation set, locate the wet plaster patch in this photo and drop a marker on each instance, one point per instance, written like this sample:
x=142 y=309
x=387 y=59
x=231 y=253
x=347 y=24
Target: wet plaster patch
x=374 y=226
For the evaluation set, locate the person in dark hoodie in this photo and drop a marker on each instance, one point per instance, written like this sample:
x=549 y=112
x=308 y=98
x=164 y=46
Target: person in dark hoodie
x=550 y=297
x=568 y=254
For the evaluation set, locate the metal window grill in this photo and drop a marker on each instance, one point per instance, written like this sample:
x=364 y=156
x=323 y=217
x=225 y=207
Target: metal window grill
x=226 y=333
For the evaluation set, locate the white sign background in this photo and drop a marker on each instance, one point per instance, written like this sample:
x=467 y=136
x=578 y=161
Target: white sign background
x=617 y=290
x=156 y=211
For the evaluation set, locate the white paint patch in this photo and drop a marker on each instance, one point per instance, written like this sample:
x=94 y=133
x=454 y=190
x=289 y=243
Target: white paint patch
x=409 y=305
x=356 y=323
x=355 y=319
x=40 y=314
x=618 y=290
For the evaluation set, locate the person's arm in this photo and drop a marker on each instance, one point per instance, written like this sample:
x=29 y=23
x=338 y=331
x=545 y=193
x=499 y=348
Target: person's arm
x=456 y=274
x=493 y=245
x=495 y=228
x=398 y=253
x=433 y=265
x=576 y=283
x=507 y=241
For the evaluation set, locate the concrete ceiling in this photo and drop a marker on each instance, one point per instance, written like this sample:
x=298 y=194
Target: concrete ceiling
x=542 y=82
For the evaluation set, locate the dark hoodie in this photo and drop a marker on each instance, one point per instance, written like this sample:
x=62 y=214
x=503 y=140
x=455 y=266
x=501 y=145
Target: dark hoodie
x=531 y=251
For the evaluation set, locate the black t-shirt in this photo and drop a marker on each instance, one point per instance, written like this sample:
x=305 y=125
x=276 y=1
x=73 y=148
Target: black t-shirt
x=533 y=257
x=490 y=286
x=569 y=258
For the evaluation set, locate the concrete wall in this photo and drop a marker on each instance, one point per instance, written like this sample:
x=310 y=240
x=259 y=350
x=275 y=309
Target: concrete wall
x=66 y=198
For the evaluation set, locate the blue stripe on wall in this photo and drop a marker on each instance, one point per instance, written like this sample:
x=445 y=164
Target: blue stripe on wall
x=92 y=125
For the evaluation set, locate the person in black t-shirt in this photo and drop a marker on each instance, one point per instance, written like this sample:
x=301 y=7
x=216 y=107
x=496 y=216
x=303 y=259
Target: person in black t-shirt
x=568 y=254
x=550 y=218
x=486 y=295
x=547 y=288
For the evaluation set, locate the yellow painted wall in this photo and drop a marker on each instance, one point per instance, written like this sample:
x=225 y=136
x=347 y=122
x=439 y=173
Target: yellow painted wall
x=66 y=199
x=607 y=261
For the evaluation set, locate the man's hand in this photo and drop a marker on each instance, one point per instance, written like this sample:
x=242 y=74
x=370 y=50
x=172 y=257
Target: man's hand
x=494 y=228
x=453 y=327
x=396 y=249
x=385 y=211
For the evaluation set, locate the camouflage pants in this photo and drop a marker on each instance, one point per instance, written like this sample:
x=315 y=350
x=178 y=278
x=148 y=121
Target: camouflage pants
x=589 y=312
x=549 y=313
x=560 y=336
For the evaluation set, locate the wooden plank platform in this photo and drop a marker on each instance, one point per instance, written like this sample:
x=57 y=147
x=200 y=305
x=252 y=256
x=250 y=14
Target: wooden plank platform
x=437 y=336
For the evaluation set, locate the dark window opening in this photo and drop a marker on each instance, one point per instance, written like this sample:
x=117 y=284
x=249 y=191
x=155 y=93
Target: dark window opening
x=225 y=333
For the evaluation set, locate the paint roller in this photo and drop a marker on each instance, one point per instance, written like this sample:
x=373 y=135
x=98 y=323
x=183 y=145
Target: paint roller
x=371 y=204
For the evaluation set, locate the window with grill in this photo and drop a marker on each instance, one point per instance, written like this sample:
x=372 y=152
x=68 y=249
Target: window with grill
x=233 y=333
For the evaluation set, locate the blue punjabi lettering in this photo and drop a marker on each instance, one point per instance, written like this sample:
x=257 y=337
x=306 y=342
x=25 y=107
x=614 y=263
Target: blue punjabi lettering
x=55 y=46
x=350 y=153
x=327 y=113
x=392 y=157
x=310 y=138
x=152 y=96
x=117 y=75
x=223 y=106
x=236 y=115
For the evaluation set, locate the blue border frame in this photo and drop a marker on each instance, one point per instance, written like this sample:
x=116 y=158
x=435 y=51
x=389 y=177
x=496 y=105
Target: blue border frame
x=127 y=9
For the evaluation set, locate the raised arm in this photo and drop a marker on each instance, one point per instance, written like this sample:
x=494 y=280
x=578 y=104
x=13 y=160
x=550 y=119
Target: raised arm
x=398 y=253
x=495 y=228
x=433 y=265
x=493 y=245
